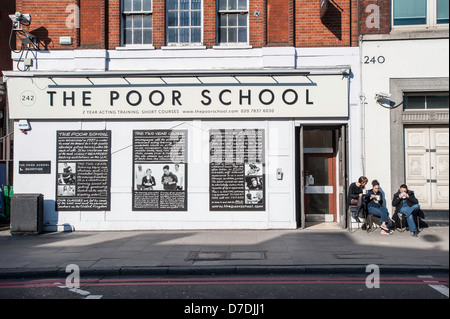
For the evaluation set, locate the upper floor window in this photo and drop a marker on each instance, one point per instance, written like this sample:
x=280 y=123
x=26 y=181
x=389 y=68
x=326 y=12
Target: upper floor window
x=442 y=11
x=138 y=22
x=420 y=13
x=426 y=101
x=184 y=21
x=233 y=21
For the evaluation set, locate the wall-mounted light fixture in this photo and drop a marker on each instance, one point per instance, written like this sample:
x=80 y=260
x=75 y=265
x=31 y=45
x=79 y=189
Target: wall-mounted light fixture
x=384 y=99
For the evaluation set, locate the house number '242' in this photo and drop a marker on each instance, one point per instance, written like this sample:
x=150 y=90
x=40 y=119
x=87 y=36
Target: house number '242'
x=374 y=59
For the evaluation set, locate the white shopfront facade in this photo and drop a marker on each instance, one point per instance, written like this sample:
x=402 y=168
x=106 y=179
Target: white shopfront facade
x=244 y=142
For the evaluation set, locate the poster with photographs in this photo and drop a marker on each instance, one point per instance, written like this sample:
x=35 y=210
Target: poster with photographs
x=237 y=178
x=83 y=170
x=160 y=170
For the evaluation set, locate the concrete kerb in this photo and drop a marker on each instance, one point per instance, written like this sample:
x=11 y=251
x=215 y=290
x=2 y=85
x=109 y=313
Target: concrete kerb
x=215 y=271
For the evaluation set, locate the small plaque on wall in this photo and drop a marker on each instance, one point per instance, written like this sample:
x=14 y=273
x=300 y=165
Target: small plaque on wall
x=35 y=167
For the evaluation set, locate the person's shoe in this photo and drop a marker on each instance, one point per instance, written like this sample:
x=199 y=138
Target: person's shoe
x=414 y=234
x=383 y=232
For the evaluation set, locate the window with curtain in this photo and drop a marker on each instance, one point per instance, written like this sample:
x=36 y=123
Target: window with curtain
x=184 y=21
x=138 y=22
x=233 y=21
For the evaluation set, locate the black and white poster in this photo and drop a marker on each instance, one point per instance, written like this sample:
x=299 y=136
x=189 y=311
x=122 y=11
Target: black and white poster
x=237 y=170
x=160 y=170
x=83 y=170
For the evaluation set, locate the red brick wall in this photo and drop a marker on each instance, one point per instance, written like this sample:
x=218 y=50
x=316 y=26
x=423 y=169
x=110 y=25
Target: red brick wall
x=6 y=7
x=113 y=24
x=280 y=22
x=372 y=10
x=49 y=21
x=337 y=28
x=92 y=24
x=271 y=23
x=257 y=24
x=159 y=22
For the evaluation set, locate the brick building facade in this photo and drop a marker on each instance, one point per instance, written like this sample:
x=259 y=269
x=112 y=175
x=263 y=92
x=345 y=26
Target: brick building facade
x=271 y=23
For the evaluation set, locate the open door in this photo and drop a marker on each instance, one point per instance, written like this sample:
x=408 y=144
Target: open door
x=343 y=177
x=321 y=180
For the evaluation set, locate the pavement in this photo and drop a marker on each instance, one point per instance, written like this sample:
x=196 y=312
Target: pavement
x=312 y=250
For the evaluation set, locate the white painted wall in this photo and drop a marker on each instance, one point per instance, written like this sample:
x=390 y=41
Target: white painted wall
x=40 y=142
x=335 y=57
x=415 y=58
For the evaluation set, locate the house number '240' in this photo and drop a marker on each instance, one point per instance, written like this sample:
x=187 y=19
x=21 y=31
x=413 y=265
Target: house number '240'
x=374 y=60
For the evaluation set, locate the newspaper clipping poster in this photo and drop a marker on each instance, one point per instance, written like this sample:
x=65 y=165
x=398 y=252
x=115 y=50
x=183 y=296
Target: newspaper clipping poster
x=83 y=171
x=159 y=170
x=237 y=170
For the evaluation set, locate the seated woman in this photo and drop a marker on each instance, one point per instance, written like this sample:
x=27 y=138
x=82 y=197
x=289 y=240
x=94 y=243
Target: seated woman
x=355 y=195
x=375 y=207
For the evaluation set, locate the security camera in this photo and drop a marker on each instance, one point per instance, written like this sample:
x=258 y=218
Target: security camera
x=381 y=95
x=18 y=17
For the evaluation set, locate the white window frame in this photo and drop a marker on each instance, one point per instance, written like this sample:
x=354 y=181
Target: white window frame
x=123 y=27
x=225 y=12
x=431 y=20
x=183 y=44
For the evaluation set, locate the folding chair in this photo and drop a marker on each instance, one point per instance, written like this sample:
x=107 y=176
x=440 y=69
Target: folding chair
x=404 y=223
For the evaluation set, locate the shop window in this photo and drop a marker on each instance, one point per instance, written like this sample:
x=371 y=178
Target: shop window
x=420 y=101
x=184 y=21
x=233 y=21
x=420 y=13
x=138 y=22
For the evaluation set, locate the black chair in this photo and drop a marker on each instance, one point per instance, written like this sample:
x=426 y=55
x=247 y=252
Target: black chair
x=404 y=224
x=372 y=222
x=353 y=211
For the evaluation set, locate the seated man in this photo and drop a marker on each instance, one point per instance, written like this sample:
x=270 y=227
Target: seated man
x=406 y=203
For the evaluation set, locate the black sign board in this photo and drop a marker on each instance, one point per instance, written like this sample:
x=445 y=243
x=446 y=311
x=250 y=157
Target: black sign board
x=160 y=170
x=83 y=171
x=237 y=166
x=35 y=167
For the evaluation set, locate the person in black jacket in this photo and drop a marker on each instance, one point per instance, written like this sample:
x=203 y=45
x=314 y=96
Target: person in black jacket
x=406 y=203
x=374 y=199
x=355 y=193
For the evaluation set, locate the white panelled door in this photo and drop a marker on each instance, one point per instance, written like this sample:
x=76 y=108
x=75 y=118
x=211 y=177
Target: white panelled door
x=427 y=165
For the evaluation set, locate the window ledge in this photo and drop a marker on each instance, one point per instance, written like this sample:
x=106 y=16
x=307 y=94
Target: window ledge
x=232 y=47
x=408 y=34
x=184 y=47
x=136 y=48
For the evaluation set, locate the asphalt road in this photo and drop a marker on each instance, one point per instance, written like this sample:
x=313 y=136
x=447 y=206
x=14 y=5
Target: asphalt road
x=233 y=289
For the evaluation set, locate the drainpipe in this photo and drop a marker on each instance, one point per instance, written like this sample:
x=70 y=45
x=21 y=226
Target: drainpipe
x=362 y=101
